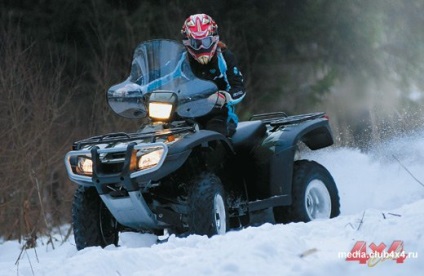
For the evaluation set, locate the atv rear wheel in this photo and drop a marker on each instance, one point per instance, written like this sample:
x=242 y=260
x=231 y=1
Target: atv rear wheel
x=92 y=222
x=207 y=207
x=314 y=193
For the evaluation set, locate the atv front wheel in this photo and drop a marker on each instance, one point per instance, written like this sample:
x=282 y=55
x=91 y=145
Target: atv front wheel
x=92 y=222
x=314 y=194
x=207 y=207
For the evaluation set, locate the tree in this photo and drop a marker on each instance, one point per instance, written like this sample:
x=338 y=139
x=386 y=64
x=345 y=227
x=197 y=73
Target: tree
x=34 y=105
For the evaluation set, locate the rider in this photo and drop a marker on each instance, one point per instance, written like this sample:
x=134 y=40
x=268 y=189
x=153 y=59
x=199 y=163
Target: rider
x=211 y=60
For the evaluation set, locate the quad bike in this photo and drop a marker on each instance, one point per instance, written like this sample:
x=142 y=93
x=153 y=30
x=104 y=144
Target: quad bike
x=171 y=176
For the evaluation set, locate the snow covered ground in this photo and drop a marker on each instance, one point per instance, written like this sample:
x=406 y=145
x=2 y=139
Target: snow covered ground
x=381 y=204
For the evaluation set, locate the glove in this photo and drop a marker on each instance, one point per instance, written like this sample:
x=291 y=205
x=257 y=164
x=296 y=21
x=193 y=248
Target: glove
x=218 y=99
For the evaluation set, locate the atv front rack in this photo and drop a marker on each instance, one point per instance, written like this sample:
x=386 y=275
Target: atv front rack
x=128 y=137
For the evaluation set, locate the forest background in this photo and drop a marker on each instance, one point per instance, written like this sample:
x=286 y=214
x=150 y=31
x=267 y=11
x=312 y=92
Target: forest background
x=360 y=61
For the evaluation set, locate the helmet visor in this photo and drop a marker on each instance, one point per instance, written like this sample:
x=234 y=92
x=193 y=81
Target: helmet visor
x=198 y=44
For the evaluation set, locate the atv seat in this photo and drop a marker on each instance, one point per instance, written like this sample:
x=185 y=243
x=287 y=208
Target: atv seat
x=247 y=135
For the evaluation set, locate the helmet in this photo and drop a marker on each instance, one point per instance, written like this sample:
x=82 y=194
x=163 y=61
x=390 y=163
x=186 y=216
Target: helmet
x=201 y=38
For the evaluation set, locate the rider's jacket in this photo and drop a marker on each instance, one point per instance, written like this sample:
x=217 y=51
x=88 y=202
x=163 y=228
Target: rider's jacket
x=223 y=71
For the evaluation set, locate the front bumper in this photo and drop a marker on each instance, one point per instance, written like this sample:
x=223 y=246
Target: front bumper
x=97 y=155
x=129 y=209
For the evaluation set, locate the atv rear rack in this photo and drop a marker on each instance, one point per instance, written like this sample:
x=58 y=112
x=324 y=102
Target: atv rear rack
x=276 y=119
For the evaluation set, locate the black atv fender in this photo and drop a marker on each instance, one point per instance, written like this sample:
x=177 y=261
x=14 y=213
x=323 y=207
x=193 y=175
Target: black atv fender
x=179 y=152
x=282 y=144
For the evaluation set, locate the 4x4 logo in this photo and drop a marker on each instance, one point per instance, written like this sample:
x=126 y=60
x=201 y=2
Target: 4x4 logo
x=377 y=254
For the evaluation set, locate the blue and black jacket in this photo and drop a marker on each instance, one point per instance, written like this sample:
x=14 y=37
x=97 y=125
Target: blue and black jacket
x=223 y=71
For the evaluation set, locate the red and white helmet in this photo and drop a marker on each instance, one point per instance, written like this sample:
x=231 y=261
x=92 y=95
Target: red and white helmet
x=200 y=37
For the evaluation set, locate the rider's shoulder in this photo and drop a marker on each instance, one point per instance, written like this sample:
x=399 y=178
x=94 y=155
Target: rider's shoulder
x=226 y=53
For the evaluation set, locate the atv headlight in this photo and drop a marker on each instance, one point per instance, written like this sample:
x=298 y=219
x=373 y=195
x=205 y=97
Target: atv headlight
x=160 y=110
x=162 y=104
x=150 y=159
x=84 y=166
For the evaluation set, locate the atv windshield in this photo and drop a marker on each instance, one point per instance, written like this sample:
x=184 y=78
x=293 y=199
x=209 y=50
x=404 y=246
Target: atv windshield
x=161 y=65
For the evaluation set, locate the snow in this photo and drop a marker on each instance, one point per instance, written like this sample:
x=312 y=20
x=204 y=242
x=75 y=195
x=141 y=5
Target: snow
x=381 y=202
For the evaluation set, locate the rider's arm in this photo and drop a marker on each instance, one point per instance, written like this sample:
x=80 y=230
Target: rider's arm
x=234 y=77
